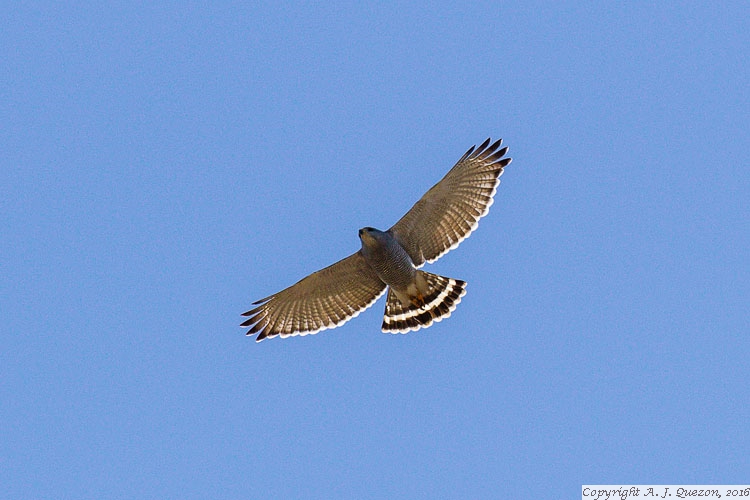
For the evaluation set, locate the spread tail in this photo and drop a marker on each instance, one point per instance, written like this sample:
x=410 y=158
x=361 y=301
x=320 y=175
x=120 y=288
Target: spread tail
x=435 y=303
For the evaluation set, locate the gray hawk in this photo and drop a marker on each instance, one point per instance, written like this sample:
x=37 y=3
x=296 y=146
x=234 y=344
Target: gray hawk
x=437 y=223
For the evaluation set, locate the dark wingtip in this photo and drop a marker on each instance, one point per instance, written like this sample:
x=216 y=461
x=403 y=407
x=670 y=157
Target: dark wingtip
x=467 y=154
x=265 y=299
x=264 y=335
x=250 y=322
x=257 y=326
x=481 y=151
x=252 y=311
x=481 y=148
x=497 y=155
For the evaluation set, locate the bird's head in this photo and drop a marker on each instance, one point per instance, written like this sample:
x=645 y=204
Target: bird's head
x=368 y=234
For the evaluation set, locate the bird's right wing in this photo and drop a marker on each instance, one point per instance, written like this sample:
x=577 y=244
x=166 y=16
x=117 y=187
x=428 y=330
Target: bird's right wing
x=325 y=299
x=450 y=211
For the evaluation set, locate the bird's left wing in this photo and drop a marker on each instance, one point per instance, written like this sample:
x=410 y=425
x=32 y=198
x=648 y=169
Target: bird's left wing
x=448 y=213
x=325 y=299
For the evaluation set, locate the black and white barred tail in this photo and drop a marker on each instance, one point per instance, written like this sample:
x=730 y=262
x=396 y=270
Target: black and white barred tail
x=441 y=298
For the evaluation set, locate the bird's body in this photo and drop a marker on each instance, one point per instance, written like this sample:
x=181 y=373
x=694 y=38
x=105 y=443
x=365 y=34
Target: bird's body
x=391 y=259
x=388 y=258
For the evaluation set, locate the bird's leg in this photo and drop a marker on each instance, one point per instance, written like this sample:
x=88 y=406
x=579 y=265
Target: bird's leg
x=418 y=300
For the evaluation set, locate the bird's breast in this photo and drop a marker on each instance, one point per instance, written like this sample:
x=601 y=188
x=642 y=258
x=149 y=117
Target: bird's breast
x=391 y=262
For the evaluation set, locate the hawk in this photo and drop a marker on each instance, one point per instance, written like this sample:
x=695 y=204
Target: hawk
x=390 y=260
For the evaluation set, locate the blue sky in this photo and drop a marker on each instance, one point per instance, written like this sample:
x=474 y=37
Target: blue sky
x=163 y=166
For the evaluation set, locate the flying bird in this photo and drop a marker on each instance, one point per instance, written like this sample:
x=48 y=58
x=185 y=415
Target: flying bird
x=390 y=260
